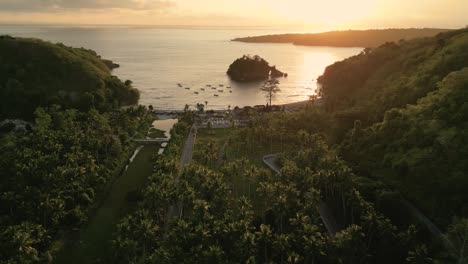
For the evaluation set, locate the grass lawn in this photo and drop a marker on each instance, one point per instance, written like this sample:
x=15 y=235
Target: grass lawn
x=221 y=135
x=94 y=240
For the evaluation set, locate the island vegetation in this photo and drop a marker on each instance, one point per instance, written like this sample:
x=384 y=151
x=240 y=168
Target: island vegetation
x=252 y=68
x=349 y=38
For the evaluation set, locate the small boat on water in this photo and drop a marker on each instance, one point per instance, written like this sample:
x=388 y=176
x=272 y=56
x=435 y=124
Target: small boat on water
x=216 y=95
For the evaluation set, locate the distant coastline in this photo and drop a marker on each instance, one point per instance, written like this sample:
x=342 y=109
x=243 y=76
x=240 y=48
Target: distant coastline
x=350 y=38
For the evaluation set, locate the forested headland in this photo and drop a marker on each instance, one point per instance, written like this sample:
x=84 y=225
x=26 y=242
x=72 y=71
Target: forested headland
x=36 y=73
x=349 y=38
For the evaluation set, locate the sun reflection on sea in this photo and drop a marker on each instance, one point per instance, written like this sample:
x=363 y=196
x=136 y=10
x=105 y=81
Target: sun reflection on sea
x=313 y=64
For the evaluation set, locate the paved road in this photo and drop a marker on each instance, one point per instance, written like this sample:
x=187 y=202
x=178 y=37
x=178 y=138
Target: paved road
x=323 y=209
x=435 y=231
x=185 y=159
x=328 y=219
x=187 y=153
x=270 y=161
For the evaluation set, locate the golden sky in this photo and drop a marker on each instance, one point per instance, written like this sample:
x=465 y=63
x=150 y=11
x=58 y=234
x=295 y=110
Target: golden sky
x=313 y=14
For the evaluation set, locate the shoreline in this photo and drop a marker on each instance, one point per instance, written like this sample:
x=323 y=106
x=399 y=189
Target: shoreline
x=290 y=106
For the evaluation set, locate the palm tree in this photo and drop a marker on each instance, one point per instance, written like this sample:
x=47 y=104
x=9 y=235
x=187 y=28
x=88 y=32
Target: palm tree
x=302 y=135
x=265 y=236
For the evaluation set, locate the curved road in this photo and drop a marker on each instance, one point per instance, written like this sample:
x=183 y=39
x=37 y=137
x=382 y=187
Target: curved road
x=323 y=209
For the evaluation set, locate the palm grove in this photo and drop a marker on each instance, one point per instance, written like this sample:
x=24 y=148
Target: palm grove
x=387 y=148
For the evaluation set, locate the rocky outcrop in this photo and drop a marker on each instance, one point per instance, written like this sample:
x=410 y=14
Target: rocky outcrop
x=275 y=73
x=252 y=68
x=110 y=64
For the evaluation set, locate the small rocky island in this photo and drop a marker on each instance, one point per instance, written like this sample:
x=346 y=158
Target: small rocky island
x=252 y=68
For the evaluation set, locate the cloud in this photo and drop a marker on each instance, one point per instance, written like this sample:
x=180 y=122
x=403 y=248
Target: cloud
x=51 y=5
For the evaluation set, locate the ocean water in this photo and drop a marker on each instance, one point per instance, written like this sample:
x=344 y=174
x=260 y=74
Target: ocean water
x=157 y=58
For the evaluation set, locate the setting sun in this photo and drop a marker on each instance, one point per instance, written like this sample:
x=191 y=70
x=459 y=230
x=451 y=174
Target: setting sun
x=311 y=14
x=329 y=13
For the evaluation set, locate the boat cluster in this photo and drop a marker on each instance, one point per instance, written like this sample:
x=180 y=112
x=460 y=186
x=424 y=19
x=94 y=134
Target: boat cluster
x=218 y=89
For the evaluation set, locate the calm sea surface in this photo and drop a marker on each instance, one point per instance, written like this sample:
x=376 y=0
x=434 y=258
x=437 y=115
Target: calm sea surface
x=157 y=58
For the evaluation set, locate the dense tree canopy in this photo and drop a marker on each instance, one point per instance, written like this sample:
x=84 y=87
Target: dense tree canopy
x=76 y=142
x=390 y=138
x=393 y=75
x=422 y=148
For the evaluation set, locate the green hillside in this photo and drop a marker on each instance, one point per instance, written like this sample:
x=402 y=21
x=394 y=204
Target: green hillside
x=57 y=170
x=37 y=73
x=402 y=111
x=422 y=149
